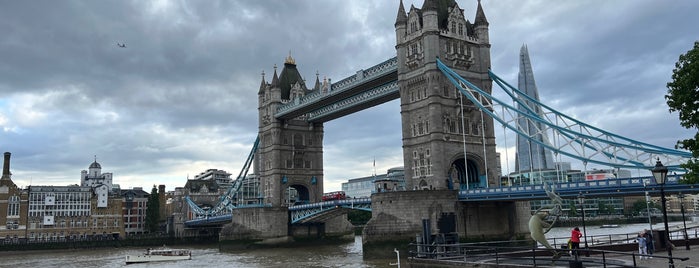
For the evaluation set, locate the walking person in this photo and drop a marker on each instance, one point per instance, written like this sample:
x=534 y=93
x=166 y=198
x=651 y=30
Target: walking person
x=642 y=250
x=575 y=236
x=650 y=248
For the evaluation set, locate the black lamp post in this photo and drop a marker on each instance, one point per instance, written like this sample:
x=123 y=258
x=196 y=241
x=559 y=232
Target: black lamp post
x=684 y=222
x=660 y=176
x=581 y=201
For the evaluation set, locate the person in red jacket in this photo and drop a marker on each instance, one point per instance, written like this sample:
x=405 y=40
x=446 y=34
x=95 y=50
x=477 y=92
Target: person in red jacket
x=575 y=236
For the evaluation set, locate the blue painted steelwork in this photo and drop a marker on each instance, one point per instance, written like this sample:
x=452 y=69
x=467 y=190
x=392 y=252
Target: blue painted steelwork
x=307 y=212
x=227 y=201
x=591 y=188
x=365 y=99
x=209 y=220
x=217 y=220
x=367 y=88
x=575 y=138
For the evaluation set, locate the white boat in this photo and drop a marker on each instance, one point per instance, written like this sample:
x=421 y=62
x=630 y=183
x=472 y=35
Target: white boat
x=163 y=254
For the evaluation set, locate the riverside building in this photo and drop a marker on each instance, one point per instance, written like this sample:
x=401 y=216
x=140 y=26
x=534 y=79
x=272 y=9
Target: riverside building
x=60 y=213
x=393 y=180
x=13 y=207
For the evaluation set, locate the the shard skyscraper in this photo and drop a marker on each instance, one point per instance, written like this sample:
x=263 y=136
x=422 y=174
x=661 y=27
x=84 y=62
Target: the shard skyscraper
x=530 y=155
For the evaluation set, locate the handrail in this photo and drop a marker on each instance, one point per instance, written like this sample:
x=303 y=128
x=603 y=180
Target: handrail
x=479 y=253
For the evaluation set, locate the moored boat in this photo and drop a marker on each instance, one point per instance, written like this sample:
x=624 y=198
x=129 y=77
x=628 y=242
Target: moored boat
x=163 y=254
x=609 y=226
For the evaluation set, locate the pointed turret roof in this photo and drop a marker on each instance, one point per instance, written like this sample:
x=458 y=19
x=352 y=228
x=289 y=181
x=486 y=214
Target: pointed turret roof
x=402 y=16
x=317 y=84
x=288 y=77
x=275 y=78
x=480 y=16
x=263 y=84
x=429 y=5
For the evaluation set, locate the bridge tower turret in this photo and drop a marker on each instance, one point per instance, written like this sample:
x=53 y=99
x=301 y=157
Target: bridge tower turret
x=446 y=145
x=289 y=157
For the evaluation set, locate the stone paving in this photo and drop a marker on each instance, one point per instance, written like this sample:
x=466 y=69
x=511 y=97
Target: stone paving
x=678 y=252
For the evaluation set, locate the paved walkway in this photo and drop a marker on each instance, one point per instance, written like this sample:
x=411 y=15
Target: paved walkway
x=678 y=252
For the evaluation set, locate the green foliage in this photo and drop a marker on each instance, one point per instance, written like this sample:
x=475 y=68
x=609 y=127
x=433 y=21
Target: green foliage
x=605 y=209
x=153 y=211
x=639 y=207
x=683 y=97
x=573 y=211
x=358 y=217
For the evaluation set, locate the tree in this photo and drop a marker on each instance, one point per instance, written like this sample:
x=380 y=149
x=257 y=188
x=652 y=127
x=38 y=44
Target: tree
x=572 y=210
x=640 y=207
x=683 y=97
x=153 y=211
x=358 y=217
x=604 y=209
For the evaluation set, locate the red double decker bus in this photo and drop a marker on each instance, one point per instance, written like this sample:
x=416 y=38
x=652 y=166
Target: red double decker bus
x=337 y=195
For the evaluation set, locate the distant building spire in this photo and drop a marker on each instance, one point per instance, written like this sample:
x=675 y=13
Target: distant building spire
x=530 y=155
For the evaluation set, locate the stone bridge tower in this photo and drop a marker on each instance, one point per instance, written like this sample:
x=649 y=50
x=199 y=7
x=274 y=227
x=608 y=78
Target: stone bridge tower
x=439 y=132
x=290 y=153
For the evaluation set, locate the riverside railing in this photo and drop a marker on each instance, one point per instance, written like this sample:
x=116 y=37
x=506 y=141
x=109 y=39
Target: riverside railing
x=625 y=238
x=492 y=253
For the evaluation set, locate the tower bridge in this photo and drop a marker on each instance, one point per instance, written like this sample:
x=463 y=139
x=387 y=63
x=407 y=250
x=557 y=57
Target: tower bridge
x=442 y=76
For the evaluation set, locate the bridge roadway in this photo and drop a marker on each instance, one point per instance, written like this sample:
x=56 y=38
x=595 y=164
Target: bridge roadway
x=367 y=88
x=567 y=190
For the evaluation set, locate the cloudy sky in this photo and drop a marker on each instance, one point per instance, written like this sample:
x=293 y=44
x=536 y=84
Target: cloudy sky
x=180 y=98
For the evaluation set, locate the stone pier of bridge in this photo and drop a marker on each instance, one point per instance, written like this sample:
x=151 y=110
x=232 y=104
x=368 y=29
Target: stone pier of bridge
x=270 y=226
x=397 y=219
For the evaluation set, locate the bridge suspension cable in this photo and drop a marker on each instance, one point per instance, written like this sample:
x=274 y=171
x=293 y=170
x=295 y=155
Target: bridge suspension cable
x=227 y=201
x=576 y=139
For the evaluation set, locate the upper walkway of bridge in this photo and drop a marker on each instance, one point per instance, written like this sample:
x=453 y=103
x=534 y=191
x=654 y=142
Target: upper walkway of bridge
x=590 y=188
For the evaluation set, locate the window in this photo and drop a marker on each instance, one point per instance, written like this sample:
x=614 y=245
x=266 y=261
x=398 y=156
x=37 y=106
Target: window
x=298 y=162
x=13 y=206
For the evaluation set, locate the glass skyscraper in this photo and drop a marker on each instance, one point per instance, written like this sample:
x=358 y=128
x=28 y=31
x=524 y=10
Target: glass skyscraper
x=530 y=156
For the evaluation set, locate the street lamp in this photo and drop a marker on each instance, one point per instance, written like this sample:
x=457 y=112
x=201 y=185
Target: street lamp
x=581 y=201
x=684 y=222
x=660 y=176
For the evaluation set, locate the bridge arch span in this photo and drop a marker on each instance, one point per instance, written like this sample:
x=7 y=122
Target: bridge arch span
x=459 y=168
x=303 y=195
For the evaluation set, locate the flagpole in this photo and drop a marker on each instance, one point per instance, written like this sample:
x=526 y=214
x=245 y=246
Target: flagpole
x=374 y=166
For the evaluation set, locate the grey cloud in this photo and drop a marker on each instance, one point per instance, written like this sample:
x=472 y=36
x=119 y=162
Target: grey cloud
x=182 y=95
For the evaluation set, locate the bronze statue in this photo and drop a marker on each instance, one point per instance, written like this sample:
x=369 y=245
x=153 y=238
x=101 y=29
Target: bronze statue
x=538 y=226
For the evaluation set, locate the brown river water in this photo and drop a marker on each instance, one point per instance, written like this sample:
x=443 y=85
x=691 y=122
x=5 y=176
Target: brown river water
x=342 y=255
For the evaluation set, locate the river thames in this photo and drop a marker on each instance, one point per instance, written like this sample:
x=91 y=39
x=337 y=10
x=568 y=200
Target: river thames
x=338 y=255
